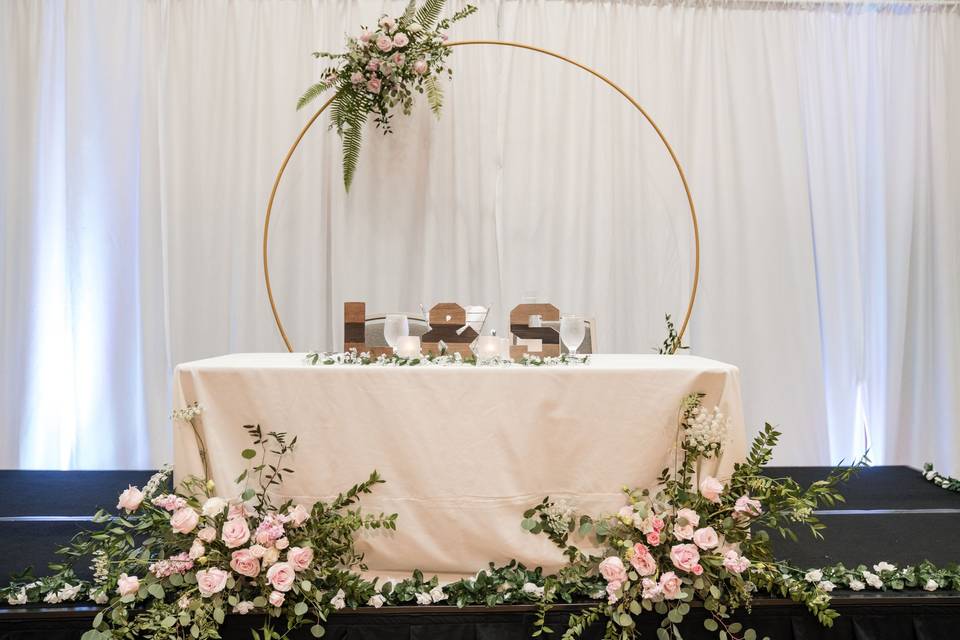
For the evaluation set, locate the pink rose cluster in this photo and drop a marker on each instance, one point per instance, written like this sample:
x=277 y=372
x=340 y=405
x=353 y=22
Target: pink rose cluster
x=382 y=56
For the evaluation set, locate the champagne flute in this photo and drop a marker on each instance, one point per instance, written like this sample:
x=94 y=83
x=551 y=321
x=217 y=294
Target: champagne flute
x=572 y=331
x=395 y=325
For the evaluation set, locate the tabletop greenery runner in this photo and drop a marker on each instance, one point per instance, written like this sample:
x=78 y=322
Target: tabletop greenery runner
x=353 y=357
x=381 y=69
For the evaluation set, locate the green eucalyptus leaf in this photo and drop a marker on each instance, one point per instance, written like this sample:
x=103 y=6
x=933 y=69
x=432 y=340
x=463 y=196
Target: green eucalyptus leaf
x=317 y=631
x=300 y=608
x=710 y=624
x=249 y=454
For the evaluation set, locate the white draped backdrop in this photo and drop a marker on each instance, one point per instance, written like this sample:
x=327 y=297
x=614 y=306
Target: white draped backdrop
x=139 y=140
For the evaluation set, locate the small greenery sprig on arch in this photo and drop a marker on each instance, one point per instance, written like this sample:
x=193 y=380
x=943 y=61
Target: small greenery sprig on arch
x=380 y=71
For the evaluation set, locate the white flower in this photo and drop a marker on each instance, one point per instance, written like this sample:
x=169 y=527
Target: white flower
x=931 y=585
x=376 y=601
x=827 y=586
x=856 y=585
x=183 y=602
x=884 y=566
x=437 y=594
x=533 y=590
x=705 y=429
x=68 y=592
x=414 y=27
x=873 y=580
x=52 y=597
x=930 y=475
x=243 y=607
x=424 y=598
x=214 y=506
x=338 y=601
x=814 y=575
x=19 y=598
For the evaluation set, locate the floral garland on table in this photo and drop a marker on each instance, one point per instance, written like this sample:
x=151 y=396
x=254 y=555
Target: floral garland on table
x=354 y=357
x=944 y=482
x=380 y=71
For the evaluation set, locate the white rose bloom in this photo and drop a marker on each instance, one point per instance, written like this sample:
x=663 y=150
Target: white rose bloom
x=52 y=598
x=437 y=594
x=827 y=586
x=873 y=579
x=813 y=576
x=414 y=27
x=19 y=598
x=68 y=592
x=856 y=585
x=376 y=601
x=884 y=566
x=424 y=598
x=929 y=475
x=533 y=590
x=339 y=601
x=214 y=506
x=931 y=585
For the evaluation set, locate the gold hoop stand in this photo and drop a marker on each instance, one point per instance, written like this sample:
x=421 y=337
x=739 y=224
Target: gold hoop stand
x=517 y=45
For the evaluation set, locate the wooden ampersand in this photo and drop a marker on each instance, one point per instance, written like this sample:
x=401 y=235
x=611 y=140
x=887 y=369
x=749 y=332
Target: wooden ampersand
x=355 y=326
x=520 y=328
x=446 y=319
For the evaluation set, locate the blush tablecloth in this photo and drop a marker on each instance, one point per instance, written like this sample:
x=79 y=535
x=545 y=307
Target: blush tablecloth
x=464 y=450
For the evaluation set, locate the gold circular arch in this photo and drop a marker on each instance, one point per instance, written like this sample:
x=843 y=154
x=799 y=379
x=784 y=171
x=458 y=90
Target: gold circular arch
x=517 y=45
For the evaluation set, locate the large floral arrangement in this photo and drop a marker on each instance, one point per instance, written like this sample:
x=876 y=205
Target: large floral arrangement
x=381 y=69
x=696 y=538
x=174 y=564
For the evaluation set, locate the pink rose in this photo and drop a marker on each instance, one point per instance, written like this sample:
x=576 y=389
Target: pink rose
x=612 y=569
x=130 y=499
x=658 y=523
x=746 y=507
x=384 y=43
x=281 y=576
x=683 y=532
x=688 y=517
x=388 y=23
x=196 y=549
x=711 y=488
x=211 y=581
x=276 y=599
x=127 y=584
x=184 y=520
x=282 y=543
x=670 y=585
x=239 y=510
x=299 y=514
x=245 y=563
x=706 y=538
x=653 y=538
x=420 y=67
x=300 y=557
x=401 y=40
x=373 y=85
x=612 y=588
x=642 y=561
x=356 y=78
x=697 y=570
x=207 y=534
x=684 y=556
x=373 y=65
x=258 y=550
x=365 y=36
x=398 y=59
x=651 y=590
x=235 y=532
x=734 y=562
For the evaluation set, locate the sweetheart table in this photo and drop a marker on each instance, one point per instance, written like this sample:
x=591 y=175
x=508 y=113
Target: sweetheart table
x=464 y=450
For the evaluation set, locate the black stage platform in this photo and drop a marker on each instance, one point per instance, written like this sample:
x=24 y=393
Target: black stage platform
x=891 y=514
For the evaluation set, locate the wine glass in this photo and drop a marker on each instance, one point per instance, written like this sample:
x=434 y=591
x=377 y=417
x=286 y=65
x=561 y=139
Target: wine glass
x=394 y=326
x=572 y=331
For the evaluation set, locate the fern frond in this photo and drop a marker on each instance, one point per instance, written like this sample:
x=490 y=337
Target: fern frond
x=351 y=139
x=408 y=13
x=434 y=95
x=429 y=12
x=310 y=94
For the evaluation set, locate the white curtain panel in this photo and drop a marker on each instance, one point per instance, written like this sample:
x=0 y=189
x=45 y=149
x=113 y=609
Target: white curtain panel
x=139 y=142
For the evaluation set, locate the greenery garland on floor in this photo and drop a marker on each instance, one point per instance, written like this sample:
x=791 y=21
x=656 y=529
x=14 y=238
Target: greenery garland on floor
x=944 y=482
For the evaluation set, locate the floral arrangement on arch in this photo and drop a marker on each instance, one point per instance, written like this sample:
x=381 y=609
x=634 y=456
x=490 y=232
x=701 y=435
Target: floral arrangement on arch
x=696 y=538
x=381 y=70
